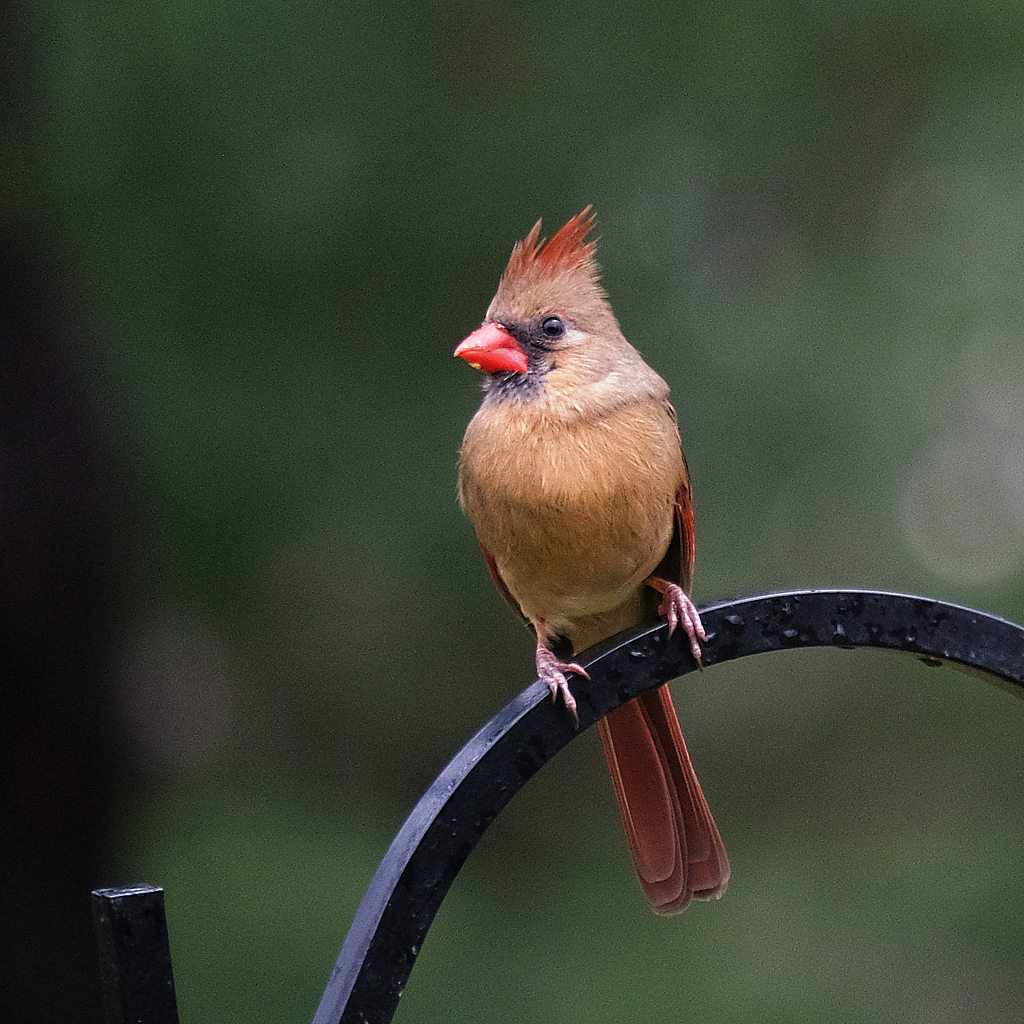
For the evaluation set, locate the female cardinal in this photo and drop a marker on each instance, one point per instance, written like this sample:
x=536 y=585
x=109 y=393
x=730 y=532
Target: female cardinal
x=572 y=476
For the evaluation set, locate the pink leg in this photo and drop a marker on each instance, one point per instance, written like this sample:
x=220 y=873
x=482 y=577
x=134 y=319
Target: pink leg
x=678 y=609
x=552 y=671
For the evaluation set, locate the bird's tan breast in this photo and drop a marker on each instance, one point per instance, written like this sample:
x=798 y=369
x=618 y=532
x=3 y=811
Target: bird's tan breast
x=576 y=513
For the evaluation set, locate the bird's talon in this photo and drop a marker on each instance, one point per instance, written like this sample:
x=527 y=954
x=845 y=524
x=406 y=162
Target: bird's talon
x=553 y=674
x=570 y=700
x=678 y=609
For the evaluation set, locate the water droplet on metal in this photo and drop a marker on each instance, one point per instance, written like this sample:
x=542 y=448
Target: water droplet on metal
x=840 y=638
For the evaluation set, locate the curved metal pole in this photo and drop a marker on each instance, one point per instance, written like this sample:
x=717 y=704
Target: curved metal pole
x=412 y=880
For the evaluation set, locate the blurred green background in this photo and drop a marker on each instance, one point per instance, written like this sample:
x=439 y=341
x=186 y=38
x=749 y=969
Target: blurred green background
x=275 y=222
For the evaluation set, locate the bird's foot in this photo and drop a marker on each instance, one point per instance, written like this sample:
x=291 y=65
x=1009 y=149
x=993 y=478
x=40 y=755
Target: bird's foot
x=679 y=610
x=552 y=674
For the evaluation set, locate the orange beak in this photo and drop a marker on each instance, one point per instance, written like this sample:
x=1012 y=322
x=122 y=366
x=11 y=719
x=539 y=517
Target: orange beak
x=492 y=349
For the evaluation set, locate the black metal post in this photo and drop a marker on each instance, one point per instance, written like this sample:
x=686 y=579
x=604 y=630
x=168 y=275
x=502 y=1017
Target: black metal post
x=135 y=956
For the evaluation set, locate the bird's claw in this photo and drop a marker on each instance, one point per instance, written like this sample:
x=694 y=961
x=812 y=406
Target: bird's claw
x=678 y=610
x=552 y=674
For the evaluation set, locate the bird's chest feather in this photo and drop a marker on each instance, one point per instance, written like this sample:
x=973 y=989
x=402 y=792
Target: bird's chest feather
x=575 y=515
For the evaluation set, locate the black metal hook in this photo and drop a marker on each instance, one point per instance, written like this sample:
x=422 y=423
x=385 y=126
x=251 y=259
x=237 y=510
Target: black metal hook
x=432 y=845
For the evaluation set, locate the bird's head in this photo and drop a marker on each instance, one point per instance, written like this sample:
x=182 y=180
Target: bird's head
x=549 y=328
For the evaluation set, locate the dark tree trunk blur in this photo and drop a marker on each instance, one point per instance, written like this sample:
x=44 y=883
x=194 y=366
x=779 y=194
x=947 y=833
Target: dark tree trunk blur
x=55 y=574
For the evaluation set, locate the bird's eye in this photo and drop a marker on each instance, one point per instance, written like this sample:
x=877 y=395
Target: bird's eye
x=553 y=327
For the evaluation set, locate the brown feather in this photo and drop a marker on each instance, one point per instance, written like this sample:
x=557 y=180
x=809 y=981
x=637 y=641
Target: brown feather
x=567 y=251
x=579 y=494
x=673 y=840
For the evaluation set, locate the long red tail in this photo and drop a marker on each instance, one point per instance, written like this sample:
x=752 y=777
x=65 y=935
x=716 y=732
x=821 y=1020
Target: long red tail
x=672 y=837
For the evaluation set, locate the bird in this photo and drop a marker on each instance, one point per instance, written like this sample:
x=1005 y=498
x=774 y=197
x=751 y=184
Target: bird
x=572 y=475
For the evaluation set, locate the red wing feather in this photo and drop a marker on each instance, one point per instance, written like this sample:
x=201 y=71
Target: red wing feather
x=684 y=532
